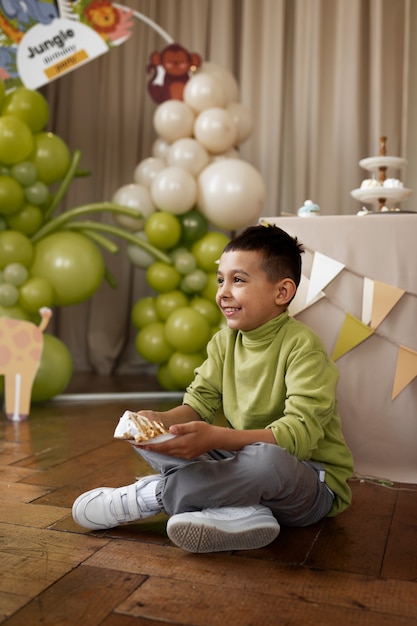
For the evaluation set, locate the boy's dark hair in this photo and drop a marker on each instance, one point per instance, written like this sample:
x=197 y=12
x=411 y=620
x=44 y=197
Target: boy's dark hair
x=281 y=253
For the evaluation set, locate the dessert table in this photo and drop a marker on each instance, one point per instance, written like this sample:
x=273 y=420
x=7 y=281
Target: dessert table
x=380 y=429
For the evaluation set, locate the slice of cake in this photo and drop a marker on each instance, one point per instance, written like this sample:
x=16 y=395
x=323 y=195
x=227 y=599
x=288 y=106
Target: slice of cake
x=136 y=427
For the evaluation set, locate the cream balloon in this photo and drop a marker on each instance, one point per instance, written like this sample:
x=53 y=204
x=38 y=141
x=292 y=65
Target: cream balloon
x=146 y=171
x=160 y=148
x=173 y=119
x=135 y=197
x=215 y=129
x=189 y=154
x=204 y=91
x=232 y=153
x=228 y=81
x=231 y=194
x=174 y=190
x=243 y=120
x=137 y=255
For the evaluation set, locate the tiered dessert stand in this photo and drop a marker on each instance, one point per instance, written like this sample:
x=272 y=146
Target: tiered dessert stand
x=381 y=195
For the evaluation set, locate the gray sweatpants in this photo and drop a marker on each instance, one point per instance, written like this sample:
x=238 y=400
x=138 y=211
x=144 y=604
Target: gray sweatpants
x=260 y=473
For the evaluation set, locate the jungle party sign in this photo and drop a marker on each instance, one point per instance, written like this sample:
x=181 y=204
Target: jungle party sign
x=41 y=40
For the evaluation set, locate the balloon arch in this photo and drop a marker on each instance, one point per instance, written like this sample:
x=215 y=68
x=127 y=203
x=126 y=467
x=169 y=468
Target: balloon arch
x=192 y=183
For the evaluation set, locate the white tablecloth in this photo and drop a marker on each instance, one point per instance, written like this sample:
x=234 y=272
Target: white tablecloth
x=381 y=432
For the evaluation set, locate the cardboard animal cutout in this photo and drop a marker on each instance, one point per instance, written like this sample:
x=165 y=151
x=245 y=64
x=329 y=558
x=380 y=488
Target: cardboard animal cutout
x=21 y=345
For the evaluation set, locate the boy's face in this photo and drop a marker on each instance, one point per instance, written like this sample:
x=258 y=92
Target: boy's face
x=245 y=296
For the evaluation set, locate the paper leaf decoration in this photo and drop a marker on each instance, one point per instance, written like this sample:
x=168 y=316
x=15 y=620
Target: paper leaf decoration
x=406 y=369
x=300 y=300
x=323 y=271
x=352 y=333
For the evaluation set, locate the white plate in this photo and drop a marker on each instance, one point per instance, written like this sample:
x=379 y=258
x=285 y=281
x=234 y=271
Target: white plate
x=374 y=163
x=150 y=442
x=373 y=194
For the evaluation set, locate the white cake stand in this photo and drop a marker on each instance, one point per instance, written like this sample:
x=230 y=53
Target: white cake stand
x=381 y=195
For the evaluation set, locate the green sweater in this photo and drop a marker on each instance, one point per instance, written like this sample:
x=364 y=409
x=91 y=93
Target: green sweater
x=278 y=376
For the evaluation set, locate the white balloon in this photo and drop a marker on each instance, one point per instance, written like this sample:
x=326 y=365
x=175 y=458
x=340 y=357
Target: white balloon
x=135 y=197
x=160 y=148
x=137 y=255
x=243 y=120
x=173 y=119
x=215 y=129
x=232 y=153
x=189 y=154
x=146 y=171
x=228 y=81
x=204 y=91
x=174 y=190
x=231 y=194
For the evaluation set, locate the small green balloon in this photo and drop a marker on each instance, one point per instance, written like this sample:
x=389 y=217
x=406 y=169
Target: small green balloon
x=9 y=295
x=15 y=274
x=152 y=344
x=144 y=312
x=55 y=370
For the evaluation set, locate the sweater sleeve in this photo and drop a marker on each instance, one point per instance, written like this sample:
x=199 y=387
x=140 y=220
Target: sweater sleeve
x=204 y=394
x=310 y=405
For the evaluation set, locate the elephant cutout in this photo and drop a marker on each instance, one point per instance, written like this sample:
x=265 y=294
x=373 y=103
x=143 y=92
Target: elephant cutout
x=21 y=345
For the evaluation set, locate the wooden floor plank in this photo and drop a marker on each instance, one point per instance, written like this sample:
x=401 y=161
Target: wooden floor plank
x=202 y=604
x=47 y=544
x=76 y=467
x=30 y=515
x=13 y=474
x=400 y=558
x=10 y=603
x=21 y=492
x=116 y=619
x=245 y=574
x=355 y=540
x=84 y=596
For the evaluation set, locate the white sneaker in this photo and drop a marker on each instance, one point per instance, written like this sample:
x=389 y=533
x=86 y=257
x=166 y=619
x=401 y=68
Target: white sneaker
x=228 y=528
x=105 y=507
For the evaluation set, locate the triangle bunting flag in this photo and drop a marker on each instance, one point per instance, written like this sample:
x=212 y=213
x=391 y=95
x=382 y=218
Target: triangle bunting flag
x=367 y=300
x=323 y=271
x=298 y=304
x=406 y=369
x=352 y=333
x=385 y=297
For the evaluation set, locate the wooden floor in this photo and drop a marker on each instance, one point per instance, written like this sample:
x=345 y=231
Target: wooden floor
x=357 y=569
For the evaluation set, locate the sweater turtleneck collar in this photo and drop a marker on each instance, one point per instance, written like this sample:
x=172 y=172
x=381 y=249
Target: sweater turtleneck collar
x=265 y=333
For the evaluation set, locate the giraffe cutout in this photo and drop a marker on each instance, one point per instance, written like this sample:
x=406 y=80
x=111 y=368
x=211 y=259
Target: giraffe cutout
x=21 y=345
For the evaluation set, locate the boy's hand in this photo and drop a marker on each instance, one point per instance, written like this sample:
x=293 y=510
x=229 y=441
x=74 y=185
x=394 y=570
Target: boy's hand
x=192 y=439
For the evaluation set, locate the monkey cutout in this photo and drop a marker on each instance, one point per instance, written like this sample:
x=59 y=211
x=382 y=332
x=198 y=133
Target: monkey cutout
x=171 y=69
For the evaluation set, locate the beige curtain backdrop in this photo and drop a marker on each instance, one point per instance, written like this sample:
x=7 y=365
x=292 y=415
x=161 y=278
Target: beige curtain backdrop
x=324 y=79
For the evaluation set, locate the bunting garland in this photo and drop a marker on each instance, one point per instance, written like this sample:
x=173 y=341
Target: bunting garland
x=378 y=300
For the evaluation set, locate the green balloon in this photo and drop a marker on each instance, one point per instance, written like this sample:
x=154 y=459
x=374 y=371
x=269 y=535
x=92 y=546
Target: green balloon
x=193 y=226
x=15 y=247
x=152 y=344
x=181 y=367
x=71 y=263
x=187 y=330
x=167 y=303
x=144 y=312
x=55 y=370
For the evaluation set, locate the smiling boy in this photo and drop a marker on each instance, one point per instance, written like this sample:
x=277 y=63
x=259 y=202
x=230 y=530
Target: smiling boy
x=282 y=459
